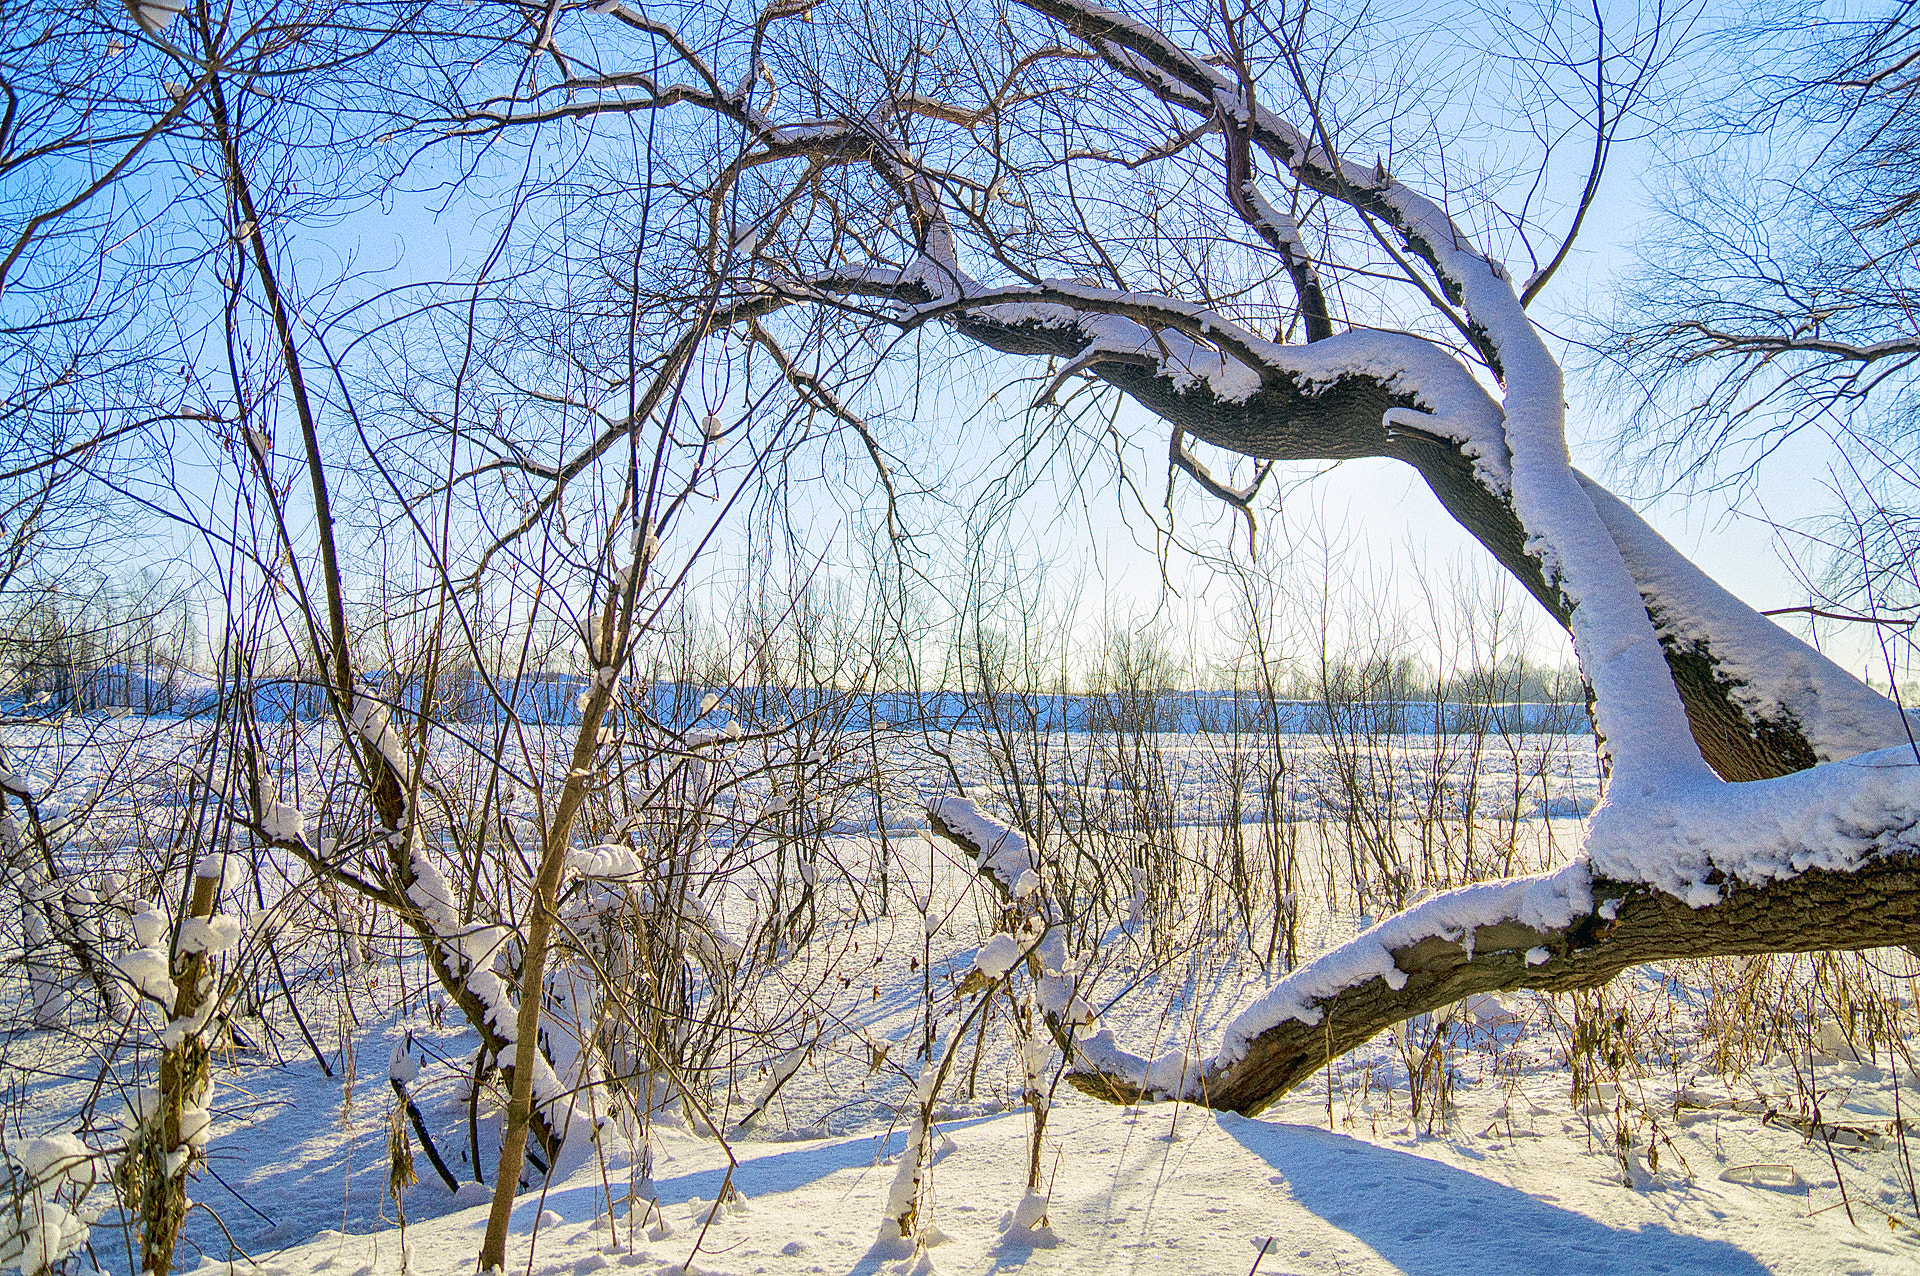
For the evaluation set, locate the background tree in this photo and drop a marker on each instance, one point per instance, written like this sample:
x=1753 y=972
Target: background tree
x=1774 y=297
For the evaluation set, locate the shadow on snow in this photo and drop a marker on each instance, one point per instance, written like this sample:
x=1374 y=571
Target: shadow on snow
x=1429 y=1219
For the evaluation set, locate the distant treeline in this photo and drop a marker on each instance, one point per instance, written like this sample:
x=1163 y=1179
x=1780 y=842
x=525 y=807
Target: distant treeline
x=473 y=697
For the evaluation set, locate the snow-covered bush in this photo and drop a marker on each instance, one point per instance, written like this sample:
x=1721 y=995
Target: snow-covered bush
x=172 y=969
x=48 y=1213
x=1047 y=1012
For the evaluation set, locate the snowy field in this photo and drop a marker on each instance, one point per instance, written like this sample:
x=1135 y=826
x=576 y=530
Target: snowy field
x=1715 y=1117
x=1518 y=1185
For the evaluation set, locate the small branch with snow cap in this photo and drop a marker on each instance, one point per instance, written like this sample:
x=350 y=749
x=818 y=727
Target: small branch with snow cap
x=403 y=1070
x=1032 y=939
x=51 y=1217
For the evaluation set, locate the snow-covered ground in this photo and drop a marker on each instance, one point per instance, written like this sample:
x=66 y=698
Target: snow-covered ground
x=1178 y=1190
x=1338 y=1178
x=1633 y=1130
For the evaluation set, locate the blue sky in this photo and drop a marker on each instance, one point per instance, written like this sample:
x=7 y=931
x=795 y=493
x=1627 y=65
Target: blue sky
x=1384 y=508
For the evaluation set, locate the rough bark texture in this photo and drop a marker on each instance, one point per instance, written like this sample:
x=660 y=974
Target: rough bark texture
x=1734 y=743
x=1876 y=906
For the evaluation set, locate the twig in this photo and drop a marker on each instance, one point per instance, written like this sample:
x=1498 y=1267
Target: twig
x=1838 y=615
x=420 y=1129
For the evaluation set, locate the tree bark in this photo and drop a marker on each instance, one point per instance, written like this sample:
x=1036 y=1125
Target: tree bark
x=160 y=1154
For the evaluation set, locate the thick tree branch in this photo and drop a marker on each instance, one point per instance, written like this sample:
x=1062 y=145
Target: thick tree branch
x=1877 y=905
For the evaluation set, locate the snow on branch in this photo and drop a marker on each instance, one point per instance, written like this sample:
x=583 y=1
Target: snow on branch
x=1196 y=349
x=1001 y=853
x=1544 y=902
x=1006 y=859
x=1768 y=673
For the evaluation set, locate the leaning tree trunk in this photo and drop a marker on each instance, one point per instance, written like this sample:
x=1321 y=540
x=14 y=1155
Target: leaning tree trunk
x=1761 y=705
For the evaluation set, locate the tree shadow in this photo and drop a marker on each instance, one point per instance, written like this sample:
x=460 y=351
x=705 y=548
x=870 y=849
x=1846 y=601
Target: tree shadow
x=1429 y=1219
x=765 y=1169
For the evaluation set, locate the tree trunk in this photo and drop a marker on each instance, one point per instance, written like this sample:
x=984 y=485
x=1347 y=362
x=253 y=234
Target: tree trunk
x=162 y=1152
x=1875 y=906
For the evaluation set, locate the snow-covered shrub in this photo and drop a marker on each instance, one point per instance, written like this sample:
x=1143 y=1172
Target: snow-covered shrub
x=47 y=1215
x=1047 y=1011
x=24 y=870
x=169 y=1124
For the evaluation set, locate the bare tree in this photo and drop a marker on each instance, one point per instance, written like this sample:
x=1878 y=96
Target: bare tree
x=1176 y=213
x=1774 y=295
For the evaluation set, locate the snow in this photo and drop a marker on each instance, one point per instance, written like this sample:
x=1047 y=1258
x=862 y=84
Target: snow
x=1158 y=1190
x=369 y=718
x=997 y=956
x=1830 y=817
x=151 y=928
x=1452 y=404
x=1026 y=1223
x=609 y=861
x=149 y=971
x=284 y=822
x=1545 y=901
x=1637 y=710
x=42 y=1234
x=1677 y=838
x=1005 y=854
x=217 y=934
x=1775 y=675
x=196 y=1126
x=56 y=1160
x=432 y=895
x=401 y=1065
x=288 y=1141
x=154 y=16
